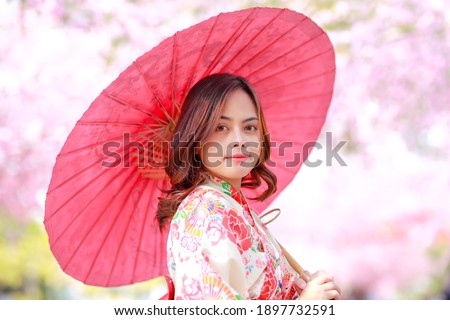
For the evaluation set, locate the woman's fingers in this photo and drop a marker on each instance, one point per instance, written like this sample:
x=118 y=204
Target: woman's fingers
x=333 y=295
x=306 y=276
x=300 y=284
x=338 y=289
x=321 y=286
x=332 y=290
x=321 y=277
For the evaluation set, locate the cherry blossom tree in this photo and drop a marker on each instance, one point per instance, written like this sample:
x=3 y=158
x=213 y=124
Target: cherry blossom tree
x=378 y=223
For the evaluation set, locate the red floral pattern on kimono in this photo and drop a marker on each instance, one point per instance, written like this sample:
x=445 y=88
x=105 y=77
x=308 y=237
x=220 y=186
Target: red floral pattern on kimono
x=219 y=249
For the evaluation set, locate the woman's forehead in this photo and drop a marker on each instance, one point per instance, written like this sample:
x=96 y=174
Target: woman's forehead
x=238 y=105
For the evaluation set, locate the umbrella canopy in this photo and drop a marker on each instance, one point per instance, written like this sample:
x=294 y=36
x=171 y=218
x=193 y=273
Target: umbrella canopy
x=103 y=194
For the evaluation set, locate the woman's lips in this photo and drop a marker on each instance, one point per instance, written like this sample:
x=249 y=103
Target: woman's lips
x=238 y=157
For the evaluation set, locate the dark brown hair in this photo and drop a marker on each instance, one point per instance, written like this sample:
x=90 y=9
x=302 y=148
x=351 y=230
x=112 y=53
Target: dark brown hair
x=199 y=113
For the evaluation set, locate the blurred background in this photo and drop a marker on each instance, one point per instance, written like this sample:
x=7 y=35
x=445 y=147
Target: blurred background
x=379 y=220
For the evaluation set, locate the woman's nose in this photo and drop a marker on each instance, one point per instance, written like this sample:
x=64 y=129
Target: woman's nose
x=238 y=138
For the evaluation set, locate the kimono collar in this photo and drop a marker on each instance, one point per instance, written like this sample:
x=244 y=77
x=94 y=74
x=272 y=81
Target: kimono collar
x=227 y=189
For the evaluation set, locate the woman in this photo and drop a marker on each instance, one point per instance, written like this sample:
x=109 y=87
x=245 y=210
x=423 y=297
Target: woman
x=217 y=247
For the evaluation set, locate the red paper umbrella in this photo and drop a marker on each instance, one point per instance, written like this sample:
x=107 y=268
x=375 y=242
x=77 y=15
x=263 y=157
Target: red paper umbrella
x=102 y=198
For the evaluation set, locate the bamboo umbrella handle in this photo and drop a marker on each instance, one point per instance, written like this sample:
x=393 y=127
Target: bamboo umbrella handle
x=292 y=262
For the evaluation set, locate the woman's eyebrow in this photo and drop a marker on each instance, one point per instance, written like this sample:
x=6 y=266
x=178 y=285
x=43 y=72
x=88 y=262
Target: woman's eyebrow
x=245 y=120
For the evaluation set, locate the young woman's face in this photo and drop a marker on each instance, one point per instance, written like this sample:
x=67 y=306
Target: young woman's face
x=233 y=148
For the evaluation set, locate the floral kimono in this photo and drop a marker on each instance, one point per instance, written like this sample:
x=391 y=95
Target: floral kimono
x=219 y=249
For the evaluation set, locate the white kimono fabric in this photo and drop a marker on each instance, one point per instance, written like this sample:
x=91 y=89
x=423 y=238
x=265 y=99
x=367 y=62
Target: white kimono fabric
x=219 y=249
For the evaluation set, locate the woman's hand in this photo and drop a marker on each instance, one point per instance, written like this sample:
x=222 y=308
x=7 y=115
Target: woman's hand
x=321 y=286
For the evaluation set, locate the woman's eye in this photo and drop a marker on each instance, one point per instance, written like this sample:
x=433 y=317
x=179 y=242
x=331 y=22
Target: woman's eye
x=221 y=128
x=251 y=127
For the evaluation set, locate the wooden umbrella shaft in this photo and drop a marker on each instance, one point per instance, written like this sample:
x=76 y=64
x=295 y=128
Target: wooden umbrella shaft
x=292 y=262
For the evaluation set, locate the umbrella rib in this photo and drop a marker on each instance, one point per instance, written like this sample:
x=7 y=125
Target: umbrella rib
x=55 y=212
x=163 y=231
x=239 y=30
x=300 y=81
x=172 y=70
x=81 y=171
x=82 y=210
x=70 y=179
x=309 y=59
x=127 y=103
x=147 y=215
x=109 y=232
x=143 y=225
x=111 y=96
x=118 y=123
x=151 y=196
x=298 y=118
x=158 y=139
x=291 y=50
x=114 y=139
x=89 y=231
x=274 y=40
x=202 y=51
x=308 y=96
x=256 y=36
x=63 y=183
x=152 y=91
x=136 y=259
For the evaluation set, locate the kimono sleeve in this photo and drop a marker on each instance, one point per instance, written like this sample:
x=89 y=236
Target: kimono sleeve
x=208 y=253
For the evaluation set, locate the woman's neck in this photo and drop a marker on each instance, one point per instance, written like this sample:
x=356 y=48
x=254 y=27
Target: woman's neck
x=235 y=183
